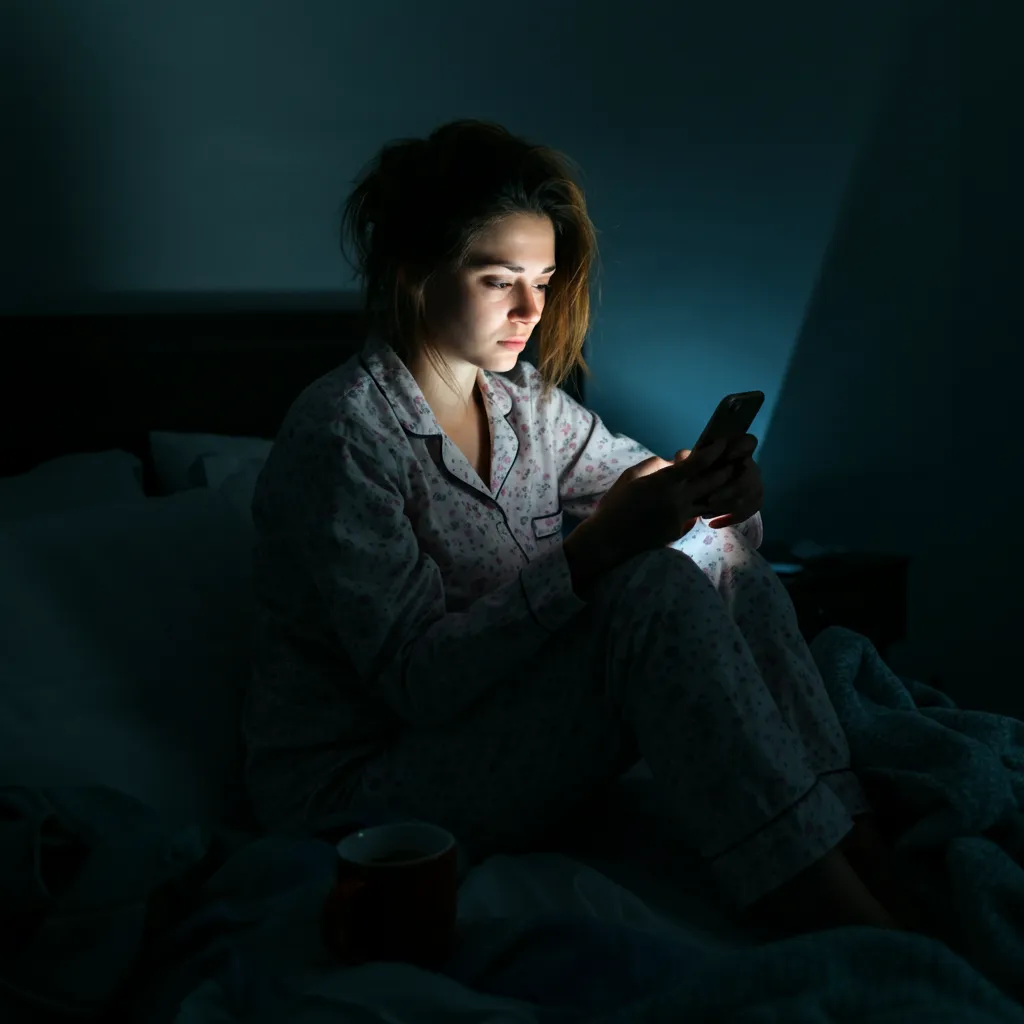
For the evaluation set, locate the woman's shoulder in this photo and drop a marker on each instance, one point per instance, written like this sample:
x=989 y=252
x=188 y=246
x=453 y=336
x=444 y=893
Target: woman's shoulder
x=345 y=403
x=339 y=411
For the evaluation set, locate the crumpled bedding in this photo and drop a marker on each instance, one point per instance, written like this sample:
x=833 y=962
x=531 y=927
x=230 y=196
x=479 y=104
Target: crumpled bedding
x=111 y=911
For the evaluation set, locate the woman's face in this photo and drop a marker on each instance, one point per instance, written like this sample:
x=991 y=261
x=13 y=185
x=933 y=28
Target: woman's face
x=485 y=311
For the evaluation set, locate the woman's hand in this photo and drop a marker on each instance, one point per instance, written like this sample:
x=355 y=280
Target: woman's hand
x=656 y=502
x=743 y=495
x=650 y=506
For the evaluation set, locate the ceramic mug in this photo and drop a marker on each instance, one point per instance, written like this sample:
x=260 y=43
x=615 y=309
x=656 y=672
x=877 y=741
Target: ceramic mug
x=395 y=895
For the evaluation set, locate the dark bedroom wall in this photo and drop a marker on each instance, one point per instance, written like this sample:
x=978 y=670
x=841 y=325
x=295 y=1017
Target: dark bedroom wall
x=766 y=219
x=196 y=146
x=897 y=427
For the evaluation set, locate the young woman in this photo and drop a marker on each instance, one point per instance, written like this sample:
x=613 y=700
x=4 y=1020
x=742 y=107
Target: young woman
x=428 y=642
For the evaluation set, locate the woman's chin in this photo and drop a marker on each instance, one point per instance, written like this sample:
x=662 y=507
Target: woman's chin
x=502 y=360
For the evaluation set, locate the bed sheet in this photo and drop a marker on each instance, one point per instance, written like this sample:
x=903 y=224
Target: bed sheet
x=637 y=933
x=160 y=924
x=545 y=939
x=565 y=916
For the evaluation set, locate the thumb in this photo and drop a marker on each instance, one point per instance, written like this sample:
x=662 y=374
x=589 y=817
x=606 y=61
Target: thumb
x=682 y=455
x=647 y=467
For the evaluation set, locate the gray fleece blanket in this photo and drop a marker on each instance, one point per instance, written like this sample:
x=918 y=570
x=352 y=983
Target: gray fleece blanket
x=109 y=911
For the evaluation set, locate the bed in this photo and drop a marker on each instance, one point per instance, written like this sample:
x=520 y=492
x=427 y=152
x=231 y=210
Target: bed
x=133 y=883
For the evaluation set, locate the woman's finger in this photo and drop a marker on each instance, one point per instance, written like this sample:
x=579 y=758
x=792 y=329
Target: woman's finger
x=743 y=505
x=701 y=459
x=720 y=522
x=730 y=496
x=741 y=448
x=652 y=465
x=701 y=490
x=739 y=513
x=731 y=519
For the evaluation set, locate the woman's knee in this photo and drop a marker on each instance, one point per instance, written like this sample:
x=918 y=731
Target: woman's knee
x=656 y=574
x=667 y=563
x=729 y=544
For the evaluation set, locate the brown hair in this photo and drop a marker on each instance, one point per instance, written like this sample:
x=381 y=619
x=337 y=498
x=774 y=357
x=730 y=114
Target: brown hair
x=420 y=205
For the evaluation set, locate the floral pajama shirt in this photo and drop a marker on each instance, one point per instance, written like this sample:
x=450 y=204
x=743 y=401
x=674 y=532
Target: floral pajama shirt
x=419 y=645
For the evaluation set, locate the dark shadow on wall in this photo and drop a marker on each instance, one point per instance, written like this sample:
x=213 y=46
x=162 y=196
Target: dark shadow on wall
x=853 y=418
x=896 y=427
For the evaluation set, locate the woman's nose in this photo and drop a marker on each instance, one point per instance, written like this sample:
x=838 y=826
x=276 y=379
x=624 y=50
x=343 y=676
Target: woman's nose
x=528 y=305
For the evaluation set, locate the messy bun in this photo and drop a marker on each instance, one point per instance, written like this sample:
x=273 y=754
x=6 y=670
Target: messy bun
x=420 y=205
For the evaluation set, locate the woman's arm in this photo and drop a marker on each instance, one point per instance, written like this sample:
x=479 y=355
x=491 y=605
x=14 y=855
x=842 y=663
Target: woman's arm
x=344 y=517
x=590 y=458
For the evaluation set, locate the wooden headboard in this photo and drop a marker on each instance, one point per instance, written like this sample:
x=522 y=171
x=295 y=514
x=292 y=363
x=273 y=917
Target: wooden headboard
x=76 y=383
x=95 y=381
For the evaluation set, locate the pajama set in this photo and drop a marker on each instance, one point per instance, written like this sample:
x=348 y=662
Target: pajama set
x=419 y=646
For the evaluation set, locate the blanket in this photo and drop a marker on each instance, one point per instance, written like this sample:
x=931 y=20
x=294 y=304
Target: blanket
x=109 y=908
x=953 y=782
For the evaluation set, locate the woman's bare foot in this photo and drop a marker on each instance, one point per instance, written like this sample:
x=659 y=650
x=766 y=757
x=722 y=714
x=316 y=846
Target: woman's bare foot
x=872 y=856
x=828 y=894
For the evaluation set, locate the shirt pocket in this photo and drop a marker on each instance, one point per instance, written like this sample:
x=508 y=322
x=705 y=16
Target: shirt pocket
x=547 y=526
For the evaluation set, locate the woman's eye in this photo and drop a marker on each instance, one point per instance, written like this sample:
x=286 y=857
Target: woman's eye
x=502 y=285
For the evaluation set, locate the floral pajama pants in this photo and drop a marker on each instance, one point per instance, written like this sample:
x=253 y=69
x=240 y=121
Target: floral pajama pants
x=689 y=657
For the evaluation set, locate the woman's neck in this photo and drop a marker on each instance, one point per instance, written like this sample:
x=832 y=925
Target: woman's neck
x=450 y=404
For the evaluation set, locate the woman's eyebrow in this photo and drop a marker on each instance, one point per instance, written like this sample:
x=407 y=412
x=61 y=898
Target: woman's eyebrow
x=489 y=261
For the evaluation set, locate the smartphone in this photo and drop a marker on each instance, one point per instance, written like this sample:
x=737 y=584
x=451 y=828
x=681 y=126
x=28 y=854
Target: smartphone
x=733 y=417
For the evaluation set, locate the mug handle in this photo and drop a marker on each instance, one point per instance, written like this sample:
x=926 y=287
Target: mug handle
x=339 y=912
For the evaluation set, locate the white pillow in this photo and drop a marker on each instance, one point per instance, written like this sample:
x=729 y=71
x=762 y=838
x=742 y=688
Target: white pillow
x=70 y=482
x=125 y=638
x=178 y=458
x=229 y=470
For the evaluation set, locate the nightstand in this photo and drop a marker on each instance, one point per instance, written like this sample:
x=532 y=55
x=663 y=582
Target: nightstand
x=863 y=592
